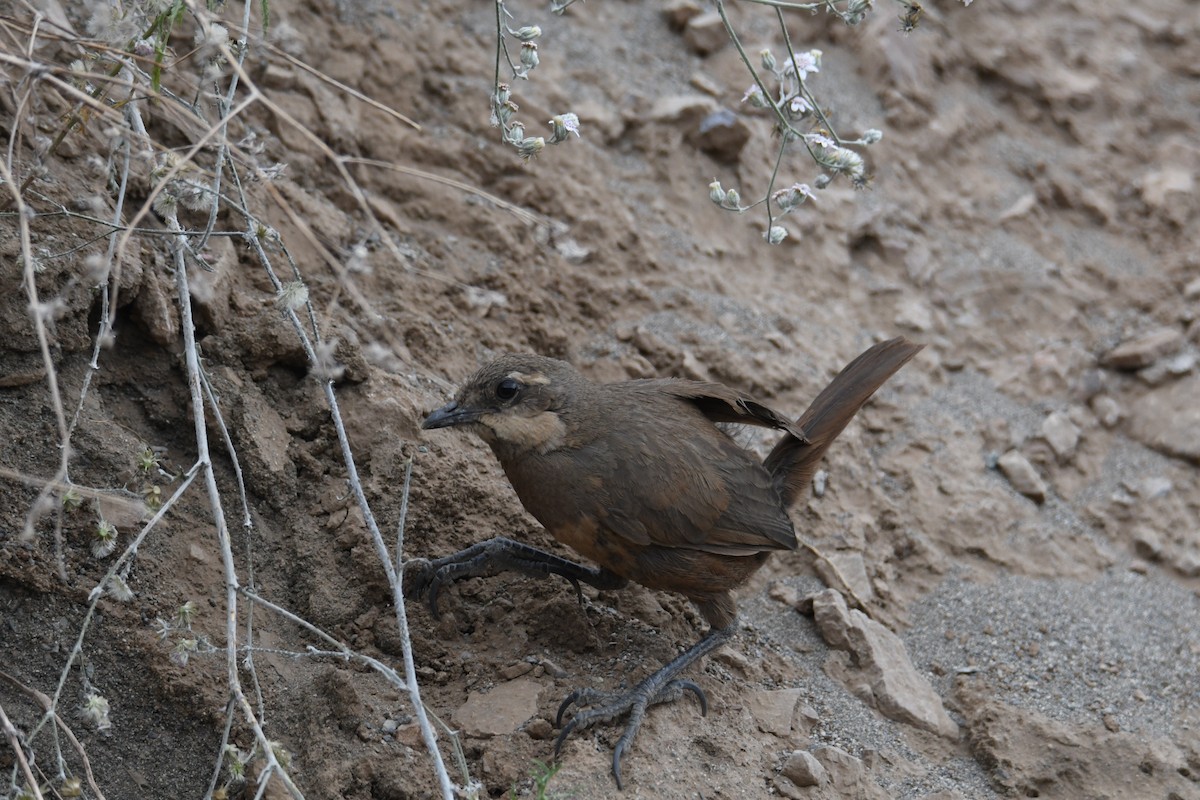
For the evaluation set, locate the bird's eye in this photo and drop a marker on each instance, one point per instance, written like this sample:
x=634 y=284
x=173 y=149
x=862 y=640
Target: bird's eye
x=507 y=389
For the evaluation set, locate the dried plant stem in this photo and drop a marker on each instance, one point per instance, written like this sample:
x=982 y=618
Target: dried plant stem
x=204 y=461
x=47 y=705
x=15 y=742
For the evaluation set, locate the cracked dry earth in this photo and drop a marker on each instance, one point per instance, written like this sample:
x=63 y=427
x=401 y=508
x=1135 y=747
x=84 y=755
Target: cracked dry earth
x=1017 y=512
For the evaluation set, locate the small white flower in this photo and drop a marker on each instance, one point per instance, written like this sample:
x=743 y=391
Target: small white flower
x=106 y=539
x=755 y=96
x=213 y=34
x=95 y=710
x=118 y=588
x=292 y=295
x=776 y=234
x=805 y=63
x=799 y=105
x=820 y=140
x=563 y=126
x=183 y=651
x=794 y=195
x=184 y=615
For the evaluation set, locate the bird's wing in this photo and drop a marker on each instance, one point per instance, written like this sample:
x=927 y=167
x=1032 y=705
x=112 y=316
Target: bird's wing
x=719 y=403
x=676 y=480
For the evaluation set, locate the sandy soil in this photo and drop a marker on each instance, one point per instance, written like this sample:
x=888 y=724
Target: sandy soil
x=1032 y=218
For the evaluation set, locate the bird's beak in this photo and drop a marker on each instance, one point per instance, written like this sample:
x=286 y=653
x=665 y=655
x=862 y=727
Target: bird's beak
x=449 y=415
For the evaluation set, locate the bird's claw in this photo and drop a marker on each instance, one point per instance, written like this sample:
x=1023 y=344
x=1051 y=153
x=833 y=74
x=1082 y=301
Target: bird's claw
x=606 y=706
x=423 y=579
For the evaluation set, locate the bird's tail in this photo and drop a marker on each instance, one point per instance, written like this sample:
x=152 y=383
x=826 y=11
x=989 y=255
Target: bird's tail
x=793 y=462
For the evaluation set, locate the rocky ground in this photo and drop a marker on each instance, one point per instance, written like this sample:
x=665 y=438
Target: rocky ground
x=1008 y=594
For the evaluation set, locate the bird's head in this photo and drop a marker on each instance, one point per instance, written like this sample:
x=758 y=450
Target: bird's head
x=515 y=403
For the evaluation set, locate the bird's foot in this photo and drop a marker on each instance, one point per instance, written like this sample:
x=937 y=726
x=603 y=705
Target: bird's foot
x=424 y=578
x=607 y=706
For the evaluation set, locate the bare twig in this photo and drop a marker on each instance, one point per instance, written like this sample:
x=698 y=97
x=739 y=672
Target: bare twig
x=204 y=461
x=14 y=741
x=48 y=706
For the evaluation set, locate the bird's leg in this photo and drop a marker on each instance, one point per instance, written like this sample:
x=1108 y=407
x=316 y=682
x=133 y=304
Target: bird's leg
x=661 y=687
x=424 y=577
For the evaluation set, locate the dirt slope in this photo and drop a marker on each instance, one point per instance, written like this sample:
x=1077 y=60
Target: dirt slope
x=1032 y=219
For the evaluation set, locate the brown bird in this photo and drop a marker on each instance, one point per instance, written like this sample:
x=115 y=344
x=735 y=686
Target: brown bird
x=637 y=477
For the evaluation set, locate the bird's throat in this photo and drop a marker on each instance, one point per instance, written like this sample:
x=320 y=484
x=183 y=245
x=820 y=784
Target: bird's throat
x=539 y=433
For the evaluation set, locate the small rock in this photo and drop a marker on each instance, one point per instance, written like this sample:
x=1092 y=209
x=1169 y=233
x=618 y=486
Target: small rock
x=732 y=658
x=722 y=134
x=539 y=729
x=807 y=718
x=1107 y=410
x=552 y=668
x=704 y=83
x=688 y=109
x=705 y=33
x=1020 y=207
x=1158 y=186
x=1167 y=419
x=692 y=368
x=1143 y=350
x=1187 y=563
x=409 y=735
x=499 y=712
x=846 y=570
x=784 y=593
x=912 y=313
x=516 y=670
x=1159 y=371
x=1111 y=723
x=572 y=251
x=900 y=692
x=679 y=12
x=774 y=710
x=481 y=301
x=803 y=769
x=602 y=117
x=1153 y=487
x=1023 y=477
x=389 y=726
x=820 y=482
x=845 y=769
x=1147 y=543
x=1061 y=434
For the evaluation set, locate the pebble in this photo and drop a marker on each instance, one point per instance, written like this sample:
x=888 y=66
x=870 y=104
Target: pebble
x=705 y=33
x=1143 y=350
x=722 y=134
x=679 y=12
x=1107 y=410
x=820 y=482
x=1167 y=419
x=1147 y=543
x=1023 y=477
x=774 y=709
x=499 y=712
x=1061 y=434
x=803 y=769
